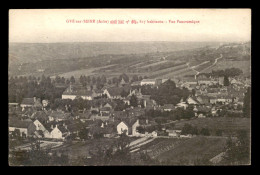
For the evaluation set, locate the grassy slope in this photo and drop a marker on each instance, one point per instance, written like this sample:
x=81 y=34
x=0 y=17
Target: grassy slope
x=193 y=149
x=223 y=123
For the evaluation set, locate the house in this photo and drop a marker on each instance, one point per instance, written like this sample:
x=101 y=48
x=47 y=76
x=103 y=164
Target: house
x=182 y=105
x=154 y=134
x=73 y=92
x=204 y=100
x=108 y=106
x=139 y=122
x=213 y=100
x=148 y=82
x=126 y=126
x=201 y=116
x=31 y=102
x=59 y=132
x=109 y=132
x=45 y=103
x=122 y=127
x=206 y=81
x=104 y=110
x=26 y=128
x=168 y=107
x=98 y=92
x=122 y=82
x=40 y=127
x=115 y=92
x=192 y=101
x=58 y=115
x=173 y=133
x=136 y=83
x=221 y=80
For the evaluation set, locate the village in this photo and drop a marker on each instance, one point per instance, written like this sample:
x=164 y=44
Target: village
x=125 y=107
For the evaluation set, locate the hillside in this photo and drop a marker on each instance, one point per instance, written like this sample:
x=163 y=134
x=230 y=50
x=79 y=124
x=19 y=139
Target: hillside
x=33 y=52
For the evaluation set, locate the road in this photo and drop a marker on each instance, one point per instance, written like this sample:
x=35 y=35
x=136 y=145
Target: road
x=197 y=72
x=215 y=62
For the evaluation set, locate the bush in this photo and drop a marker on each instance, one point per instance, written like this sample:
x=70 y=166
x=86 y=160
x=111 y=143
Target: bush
x=219 y=132
x=205 y=132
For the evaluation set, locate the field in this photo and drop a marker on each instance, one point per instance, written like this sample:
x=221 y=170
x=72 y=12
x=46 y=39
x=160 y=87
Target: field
x=190 y=150
x=78 y=73
x=245 y=66
x=184 y=150
x=224 y=123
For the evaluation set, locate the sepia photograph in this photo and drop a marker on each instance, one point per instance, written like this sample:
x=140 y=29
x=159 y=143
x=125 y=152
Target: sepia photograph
x=129 y=87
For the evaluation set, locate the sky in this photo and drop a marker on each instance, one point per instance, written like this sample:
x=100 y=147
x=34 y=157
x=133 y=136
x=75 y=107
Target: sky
x=55 y=25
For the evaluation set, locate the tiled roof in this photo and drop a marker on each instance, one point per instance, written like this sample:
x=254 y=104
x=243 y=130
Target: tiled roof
x=148 y=80
x=168 y=106
x=13 y=122
x=28 y=101
x=116 y=91
x=105 y=109
x=81 y=92
x=129 y=122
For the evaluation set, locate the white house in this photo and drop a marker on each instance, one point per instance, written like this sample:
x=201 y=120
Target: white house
x=59 y=132
x=182 y=105
x=121 y=127
x=135 y=125
x=148 y=82
x=39 y=126
x=56 y=133
x=192 y=101
x=78 y=92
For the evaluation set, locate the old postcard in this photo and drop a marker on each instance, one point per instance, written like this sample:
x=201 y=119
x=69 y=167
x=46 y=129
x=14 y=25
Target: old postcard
x=102 y=87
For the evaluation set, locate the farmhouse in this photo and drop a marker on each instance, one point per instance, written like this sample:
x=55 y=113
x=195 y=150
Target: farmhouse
x=182 y=105
x=192 y=101
x=59 y=132
x=115 y=92
x=25 y=127
x=31 y=102
x=148 y=82
x=73 y=92
x=121 y=127
x=168 y=107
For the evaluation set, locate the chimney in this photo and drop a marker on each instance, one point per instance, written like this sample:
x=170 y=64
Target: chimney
x=146 y=121
x=145 y=103
x=34 y=99
x=56 y=126
x=66 y=127
x=51 y=126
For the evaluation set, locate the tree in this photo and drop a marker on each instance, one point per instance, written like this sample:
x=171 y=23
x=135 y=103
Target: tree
x=134 y=78
x=140 y=129
x=72 y=79
x=226 y=81
x=124 y=93
x=193 y=92
x=204 y=131
x=103 y=79
x=247 y=103
x=133 y=101
x=219 y=132
x=94 y=80
x=125 y=77
x=187 y=129
x=237 y=151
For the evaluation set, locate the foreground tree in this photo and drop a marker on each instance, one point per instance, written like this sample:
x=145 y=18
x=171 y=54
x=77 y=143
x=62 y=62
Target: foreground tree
x=247 y=103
